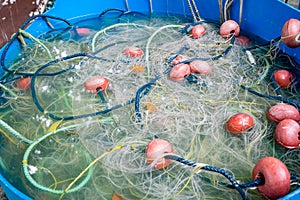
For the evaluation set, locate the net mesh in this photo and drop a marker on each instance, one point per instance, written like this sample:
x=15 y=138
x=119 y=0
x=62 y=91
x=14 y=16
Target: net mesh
x=75 y=144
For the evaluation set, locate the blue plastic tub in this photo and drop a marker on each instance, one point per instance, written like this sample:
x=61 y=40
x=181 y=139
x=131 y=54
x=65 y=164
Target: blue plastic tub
x=262 y=18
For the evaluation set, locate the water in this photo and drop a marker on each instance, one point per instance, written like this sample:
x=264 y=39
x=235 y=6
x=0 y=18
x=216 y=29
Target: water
x=94 y=155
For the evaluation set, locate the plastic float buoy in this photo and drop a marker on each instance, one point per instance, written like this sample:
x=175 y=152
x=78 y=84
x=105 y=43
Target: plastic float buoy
x=133 y=52
x=81 y=32
x=287 y=132
x=242 y=41
x=178 y=72
x=155 y=149
x=228 y=27
x=178 y=59
x=275 y=176
x=200 y=66
x=239 y=123
x=283 y=111
x=283 y=78
x=96 y=82
x=24 y=83
x=198 y=31
x=290 y=33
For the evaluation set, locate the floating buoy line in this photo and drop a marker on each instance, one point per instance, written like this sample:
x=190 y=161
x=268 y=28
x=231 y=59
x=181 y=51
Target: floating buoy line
x=149 y=108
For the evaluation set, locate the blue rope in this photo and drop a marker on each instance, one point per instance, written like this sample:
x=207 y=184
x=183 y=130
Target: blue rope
x=225 y=52
x=277 y=98
x=102 y=98
x=5 y=50
x=41 y=109
x=181 y=160
x=15 y=37
x=142 y=91
x=192 y=79
x=44 y=17
x=295 y=176
x=226 y=174
x=109 y=10
x=187 y=28
x=250 y=184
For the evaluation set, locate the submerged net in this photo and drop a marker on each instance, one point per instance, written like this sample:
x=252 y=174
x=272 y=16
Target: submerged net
x=75 y=144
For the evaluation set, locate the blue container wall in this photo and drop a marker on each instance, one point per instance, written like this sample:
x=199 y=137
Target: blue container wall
x=264 y=18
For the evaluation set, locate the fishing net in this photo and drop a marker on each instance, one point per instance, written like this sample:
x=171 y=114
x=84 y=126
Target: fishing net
x=61 y=141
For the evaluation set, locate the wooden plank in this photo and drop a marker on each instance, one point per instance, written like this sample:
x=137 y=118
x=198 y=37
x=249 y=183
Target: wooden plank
x=14 y=12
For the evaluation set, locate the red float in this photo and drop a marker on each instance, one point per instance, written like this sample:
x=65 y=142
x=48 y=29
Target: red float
x=200 y=66
x=81 y=32
x=239 y=123
x=198 y=31
x=96 y=82
x=24 y=83
x=179 y=72
x=228 y=27
x=133 y=52
x=290 y=33
x=286 y=133
x=155 y=150
x=178 y=59
x=283 y=111
x=275 y=175
x=242 y=41
x=283 y=78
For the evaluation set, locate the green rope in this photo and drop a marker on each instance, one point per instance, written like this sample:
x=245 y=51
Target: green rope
x=28 y=35
x=41 y=187
x=5 y=127
x=9 y=91
x=111 y=27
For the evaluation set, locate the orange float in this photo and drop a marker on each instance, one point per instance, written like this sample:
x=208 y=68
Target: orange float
x=229 y=27
x=283 y=78
x=290 y=33
x=24 y=83
x=239 y=123
x=155 y=150
x=96 y=82
x=200 y=66
x=283 y=111
x=286 y=134
x=133 y=52
x=178 y=72
x=198 y=31
x=275 y=176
